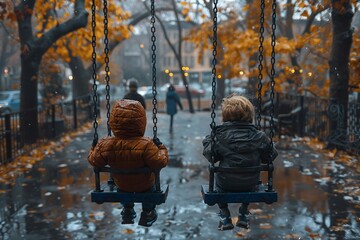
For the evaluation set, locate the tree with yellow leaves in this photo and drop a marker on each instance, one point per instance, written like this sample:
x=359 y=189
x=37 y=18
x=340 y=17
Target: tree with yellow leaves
x=303 y=37
x=34 y=46
x=42 y=27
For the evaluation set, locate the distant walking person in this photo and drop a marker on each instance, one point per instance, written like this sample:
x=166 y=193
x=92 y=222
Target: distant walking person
x=172 y=101
x=133 y=94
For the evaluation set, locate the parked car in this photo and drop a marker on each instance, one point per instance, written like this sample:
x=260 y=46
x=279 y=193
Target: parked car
x=195 y=91
x=147 y=93
x=9 y=101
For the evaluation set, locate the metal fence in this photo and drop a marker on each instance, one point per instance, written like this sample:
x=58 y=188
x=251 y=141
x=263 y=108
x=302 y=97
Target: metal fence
x=314 y=120
x=53 y=121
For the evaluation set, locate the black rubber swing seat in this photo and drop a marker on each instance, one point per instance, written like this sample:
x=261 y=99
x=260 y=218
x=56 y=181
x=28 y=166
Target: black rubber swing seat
x=263 y=194
x=108 y=192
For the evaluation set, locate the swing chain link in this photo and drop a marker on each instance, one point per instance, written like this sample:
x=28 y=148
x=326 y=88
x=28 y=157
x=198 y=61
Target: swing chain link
x=272 y=82
x=260 y=66
x=213 y=82
x=272 y=71
x=107 y=68
x=153 y=61
x=94 y=75
x=213 y=98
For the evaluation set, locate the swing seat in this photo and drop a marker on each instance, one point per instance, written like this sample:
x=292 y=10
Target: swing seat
x=263 y=194
x=108 y=192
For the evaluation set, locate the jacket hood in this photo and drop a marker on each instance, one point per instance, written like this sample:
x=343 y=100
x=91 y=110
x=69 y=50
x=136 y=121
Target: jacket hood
x=128 y=119
x=239 y=137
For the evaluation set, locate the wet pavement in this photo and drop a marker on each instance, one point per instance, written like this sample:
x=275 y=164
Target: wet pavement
x=318 y=194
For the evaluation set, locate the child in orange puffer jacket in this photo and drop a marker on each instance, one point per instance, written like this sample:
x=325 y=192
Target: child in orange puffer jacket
x=129 y=149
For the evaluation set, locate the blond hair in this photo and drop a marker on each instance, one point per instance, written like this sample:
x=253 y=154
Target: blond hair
x=237 y=108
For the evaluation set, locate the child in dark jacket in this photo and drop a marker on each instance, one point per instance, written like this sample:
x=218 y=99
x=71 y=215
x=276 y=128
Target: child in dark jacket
x=129 y=149
x=238 y=143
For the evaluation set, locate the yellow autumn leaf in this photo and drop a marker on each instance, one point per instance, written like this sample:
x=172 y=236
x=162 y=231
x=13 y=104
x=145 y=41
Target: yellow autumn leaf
x=314 y=235
x=128 y=231
x=305 y=14
x=241 y=234
x=185 y=11
x=302 y=4
x=246 y=7
x=315 y=41
x=265 y=226
x=313 y=28
x=12 y=16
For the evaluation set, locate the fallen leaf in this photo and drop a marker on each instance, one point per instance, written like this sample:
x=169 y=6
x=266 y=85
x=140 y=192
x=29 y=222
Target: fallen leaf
x=265 y=226
x=127 y=231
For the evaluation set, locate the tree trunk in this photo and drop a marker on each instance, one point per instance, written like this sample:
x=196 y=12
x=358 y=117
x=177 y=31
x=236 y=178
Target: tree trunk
x=81 y=77
x=32 y=50
x=220 y=91
x=28 y=98
x=338 y=65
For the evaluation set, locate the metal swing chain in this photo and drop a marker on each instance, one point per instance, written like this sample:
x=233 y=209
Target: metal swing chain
x=213 y=97
x=94 y=75
x=272 y=84
x=260 y=66
x=107 y=68
x=272 y=71
x=153 y=61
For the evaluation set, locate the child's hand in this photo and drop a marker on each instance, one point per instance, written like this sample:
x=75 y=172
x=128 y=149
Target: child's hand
x=157 y=141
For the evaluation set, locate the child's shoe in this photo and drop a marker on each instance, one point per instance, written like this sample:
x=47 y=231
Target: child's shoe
x=243 y=220
x=128 y=215
x=147 y=218
x=225 y=222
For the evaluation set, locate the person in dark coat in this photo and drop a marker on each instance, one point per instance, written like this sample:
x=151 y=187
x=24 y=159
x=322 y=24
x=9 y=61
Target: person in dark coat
x=238 y=143
x=172 y=101
x=133 y=94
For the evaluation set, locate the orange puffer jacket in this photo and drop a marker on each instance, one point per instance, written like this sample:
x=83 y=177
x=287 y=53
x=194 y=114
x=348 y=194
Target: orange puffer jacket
x=128 y=148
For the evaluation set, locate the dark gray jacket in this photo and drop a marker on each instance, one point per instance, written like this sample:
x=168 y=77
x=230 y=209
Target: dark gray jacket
x=238 y=145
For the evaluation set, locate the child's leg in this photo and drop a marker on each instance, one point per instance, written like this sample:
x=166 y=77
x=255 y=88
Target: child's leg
x=128 y=214
x=243 y=218
x=171 y=122
x=244 y=208
x=225 y=222
x=148 y=214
